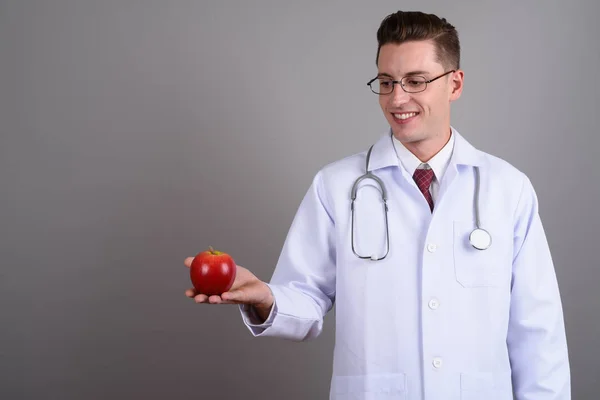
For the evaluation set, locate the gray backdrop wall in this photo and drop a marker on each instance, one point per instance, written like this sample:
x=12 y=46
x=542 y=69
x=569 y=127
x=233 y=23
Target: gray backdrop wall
x=136 y=133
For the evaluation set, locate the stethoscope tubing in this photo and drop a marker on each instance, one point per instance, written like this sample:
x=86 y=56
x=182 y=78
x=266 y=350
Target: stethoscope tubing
x=479 y=238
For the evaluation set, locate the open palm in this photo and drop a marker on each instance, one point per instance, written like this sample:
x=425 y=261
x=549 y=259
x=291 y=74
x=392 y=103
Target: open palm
x=246 y=289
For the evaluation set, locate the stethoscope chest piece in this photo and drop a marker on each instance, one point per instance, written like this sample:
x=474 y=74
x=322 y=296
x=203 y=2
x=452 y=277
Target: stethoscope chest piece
x=480 y=239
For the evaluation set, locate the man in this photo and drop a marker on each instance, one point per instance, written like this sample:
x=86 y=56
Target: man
x=444 y=290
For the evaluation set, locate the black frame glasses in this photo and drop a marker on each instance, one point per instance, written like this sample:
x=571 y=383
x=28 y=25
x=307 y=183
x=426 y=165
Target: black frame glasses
x=404 y=82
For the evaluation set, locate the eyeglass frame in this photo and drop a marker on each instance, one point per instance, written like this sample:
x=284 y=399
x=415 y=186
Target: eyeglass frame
x=394 y=82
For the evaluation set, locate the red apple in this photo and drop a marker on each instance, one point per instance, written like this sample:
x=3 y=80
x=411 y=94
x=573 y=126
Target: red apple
x=212 y=272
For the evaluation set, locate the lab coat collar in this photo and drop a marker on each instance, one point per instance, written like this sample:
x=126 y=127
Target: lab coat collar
x=464 y=152
x=383 y=153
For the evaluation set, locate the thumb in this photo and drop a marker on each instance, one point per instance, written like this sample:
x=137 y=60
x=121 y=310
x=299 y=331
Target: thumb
x=239 y=296
x=255 y=293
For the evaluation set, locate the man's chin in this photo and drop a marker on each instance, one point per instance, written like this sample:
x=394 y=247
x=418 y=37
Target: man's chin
x=408 y=135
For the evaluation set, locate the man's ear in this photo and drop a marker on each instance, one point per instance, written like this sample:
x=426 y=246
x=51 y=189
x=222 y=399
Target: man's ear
x=457 y=80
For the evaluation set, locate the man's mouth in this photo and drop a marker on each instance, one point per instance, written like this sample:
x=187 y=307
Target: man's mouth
x=403 y=116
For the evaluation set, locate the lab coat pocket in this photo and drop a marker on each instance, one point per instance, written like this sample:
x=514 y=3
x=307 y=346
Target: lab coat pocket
x=488 y=386
x=370 y=387
x=482 y=268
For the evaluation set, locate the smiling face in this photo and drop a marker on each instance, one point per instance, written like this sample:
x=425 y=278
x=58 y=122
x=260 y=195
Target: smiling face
x=421 y=121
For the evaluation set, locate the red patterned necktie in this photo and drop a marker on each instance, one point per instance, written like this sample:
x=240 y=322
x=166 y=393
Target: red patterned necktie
x=423 y=178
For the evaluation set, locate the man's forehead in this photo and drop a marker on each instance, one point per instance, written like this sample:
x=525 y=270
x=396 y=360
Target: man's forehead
x=406 y=69
x=410 y=58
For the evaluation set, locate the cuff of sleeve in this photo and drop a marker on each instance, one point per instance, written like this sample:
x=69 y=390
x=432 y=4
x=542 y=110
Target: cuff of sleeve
x=251 y=317
x=253 y=321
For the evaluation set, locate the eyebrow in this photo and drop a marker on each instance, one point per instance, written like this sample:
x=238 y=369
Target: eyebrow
x=407 y=74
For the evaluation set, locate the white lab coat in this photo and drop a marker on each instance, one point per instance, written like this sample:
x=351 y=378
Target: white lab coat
x=436 y=319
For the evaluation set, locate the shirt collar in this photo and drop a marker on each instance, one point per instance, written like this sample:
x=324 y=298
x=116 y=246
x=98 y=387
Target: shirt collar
x=461 y=152
x=438 y=163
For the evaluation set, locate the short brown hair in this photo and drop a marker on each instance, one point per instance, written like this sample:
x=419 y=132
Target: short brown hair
x=404 y=26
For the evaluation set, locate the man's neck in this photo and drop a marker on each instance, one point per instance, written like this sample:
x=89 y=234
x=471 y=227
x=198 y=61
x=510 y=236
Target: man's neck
x=425 y=150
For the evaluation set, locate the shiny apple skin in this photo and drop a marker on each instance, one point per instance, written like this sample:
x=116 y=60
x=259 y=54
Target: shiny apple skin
x=212 y=273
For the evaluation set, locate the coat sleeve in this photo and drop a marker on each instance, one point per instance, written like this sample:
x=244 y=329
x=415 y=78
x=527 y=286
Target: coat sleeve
x=303 y=283
x=536 y=338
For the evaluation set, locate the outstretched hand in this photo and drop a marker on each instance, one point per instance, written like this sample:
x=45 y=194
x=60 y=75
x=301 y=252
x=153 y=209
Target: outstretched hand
x=246 y=289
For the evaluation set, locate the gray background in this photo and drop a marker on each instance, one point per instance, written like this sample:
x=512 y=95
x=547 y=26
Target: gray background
x=136 y=133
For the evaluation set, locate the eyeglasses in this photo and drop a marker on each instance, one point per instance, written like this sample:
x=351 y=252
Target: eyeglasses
x=410 y=84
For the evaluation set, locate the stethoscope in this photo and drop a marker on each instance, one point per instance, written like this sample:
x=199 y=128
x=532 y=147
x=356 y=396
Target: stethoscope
x=479 y=238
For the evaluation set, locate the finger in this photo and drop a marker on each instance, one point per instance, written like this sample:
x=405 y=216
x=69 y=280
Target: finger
x=236 y=296
x=231 y=302
x=215 y=299
x=201 y=298
x=191 y=292
x=188 y=261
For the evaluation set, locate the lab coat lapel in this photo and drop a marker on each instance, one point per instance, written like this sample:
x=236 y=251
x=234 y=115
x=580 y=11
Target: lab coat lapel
x=383 y=154
x=463 y=155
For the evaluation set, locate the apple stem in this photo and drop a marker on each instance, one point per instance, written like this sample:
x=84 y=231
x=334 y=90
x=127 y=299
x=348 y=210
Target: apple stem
x=211 y=249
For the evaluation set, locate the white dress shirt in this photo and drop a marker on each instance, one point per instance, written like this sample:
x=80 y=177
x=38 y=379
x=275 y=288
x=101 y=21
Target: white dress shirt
x=438 y=163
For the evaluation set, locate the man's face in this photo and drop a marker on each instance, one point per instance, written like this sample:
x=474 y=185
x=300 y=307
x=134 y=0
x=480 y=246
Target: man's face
x=418 y=118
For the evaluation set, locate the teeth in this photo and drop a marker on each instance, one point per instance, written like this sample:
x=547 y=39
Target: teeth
x=405 y=115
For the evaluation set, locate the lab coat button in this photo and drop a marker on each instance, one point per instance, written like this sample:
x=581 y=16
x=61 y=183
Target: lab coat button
x=437 y=362
x=434 y=304
x=431 y=248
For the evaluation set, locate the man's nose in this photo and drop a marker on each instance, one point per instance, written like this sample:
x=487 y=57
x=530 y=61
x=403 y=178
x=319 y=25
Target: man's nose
x=398 y=96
